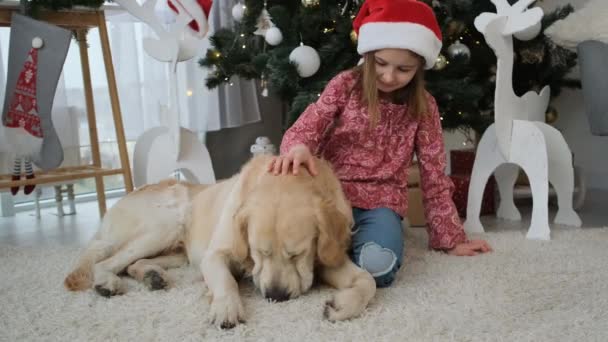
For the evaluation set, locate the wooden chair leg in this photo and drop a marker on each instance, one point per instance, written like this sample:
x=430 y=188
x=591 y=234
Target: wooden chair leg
x=118 y=124
x=91 y=117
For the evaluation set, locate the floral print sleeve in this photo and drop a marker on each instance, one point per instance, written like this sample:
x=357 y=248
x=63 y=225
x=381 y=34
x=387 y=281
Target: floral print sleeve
x=444 y=226
x=318 y=117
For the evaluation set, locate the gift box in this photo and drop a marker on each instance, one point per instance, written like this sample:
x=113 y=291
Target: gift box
x=415 y=208
x=461 y=194
x=413 y=176
x=461 y=161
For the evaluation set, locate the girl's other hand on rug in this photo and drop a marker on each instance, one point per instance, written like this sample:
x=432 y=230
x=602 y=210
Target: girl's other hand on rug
x=471 y=248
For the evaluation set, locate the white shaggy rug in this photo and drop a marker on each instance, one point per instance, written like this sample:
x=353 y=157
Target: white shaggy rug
x=524 y=291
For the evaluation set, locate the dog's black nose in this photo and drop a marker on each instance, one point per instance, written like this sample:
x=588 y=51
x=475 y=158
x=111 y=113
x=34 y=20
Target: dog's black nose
x=277 y=294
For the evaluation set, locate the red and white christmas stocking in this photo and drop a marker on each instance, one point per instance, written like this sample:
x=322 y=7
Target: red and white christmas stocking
x=22 y=121
x=37 y=52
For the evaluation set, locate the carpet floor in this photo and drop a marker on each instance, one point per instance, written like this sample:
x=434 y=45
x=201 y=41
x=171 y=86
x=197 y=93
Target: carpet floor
x=524 y=291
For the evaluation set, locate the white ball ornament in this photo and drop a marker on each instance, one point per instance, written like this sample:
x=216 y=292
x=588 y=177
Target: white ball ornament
x=37 y=43
x=529 y=33
x=238 y=12
x=273 y=36
x=307 y=60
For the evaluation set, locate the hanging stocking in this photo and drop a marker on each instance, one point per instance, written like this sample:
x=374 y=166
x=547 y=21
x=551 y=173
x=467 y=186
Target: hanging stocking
x=22 y=119
x=37 y=53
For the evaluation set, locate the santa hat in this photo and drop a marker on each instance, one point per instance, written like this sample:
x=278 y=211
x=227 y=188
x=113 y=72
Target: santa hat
x=402 y=24
x=198 y=10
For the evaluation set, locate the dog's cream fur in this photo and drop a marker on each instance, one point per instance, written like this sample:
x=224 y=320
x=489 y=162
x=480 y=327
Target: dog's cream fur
x=281 y=230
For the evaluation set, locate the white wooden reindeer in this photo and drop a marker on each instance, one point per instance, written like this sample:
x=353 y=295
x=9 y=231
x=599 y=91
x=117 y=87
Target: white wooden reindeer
x=162 y=150
x=517 y=138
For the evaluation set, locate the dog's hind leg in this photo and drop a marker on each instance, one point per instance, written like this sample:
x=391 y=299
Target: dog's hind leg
x=152 y=271
x=106 y=282
x=81 y=278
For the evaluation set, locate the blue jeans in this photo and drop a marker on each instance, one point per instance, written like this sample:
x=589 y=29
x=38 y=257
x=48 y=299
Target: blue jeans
x=377 y=243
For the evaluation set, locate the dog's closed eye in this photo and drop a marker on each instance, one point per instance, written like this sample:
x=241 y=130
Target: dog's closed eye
x=265 y=252
x=292 y=255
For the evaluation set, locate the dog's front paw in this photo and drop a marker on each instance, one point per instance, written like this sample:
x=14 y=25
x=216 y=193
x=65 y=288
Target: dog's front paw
x=344 y=305
x=109 y=285
x=226 y=311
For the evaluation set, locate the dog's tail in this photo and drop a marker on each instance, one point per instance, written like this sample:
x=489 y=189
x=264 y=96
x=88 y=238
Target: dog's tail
x=81 y=278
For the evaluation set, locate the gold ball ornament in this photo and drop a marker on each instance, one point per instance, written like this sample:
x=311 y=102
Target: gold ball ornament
x=551 y=115
x=440 y=63
x=353 y=37
x=310 y=3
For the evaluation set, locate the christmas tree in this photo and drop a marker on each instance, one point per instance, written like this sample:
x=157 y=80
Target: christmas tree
x=266 y=44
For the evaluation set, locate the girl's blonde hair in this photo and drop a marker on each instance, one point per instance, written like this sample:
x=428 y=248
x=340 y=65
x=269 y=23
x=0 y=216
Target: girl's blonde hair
x=413 y=94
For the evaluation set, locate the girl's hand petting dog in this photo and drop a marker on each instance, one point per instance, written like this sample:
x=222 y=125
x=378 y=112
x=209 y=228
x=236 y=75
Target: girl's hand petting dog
x=298 y=155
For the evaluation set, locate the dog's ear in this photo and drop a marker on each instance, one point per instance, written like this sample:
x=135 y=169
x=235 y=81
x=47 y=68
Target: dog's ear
x=240 y=244
x=334 y=233
x=248 y=177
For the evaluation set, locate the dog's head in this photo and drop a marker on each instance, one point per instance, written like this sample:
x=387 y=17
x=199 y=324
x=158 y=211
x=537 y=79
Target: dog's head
x=287 y=226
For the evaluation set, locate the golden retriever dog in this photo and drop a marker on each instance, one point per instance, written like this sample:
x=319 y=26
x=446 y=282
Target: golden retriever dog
x=282 y=231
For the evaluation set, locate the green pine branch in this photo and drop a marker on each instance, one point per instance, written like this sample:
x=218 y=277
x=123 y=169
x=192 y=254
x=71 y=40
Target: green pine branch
x=33 y=7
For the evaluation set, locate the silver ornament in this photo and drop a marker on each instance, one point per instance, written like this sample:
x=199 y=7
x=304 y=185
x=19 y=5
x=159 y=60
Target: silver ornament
x=459 y=51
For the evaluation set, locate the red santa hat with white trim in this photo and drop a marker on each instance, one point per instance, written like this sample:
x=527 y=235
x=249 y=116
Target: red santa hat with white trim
x=398 y=24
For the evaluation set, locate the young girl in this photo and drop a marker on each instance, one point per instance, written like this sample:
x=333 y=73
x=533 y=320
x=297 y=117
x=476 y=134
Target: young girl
x=368 y=122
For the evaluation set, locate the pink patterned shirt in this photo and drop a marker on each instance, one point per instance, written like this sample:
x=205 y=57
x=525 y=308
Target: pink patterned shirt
x=373 y=165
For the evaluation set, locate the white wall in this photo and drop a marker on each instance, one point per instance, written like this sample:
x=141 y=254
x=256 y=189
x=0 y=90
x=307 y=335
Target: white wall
x=590 y=152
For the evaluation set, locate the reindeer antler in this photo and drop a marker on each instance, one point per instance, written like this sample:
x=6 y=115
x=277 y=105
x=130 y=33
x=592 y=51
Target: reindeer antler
x=173 y=45
x=521 y=6
x=522 y=18
x=502 y=6
x=145 y=13
x=519 y=17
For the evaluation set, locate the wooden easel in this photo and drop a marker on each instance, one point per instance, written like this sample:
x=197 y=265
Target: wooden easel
x=80 y=21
